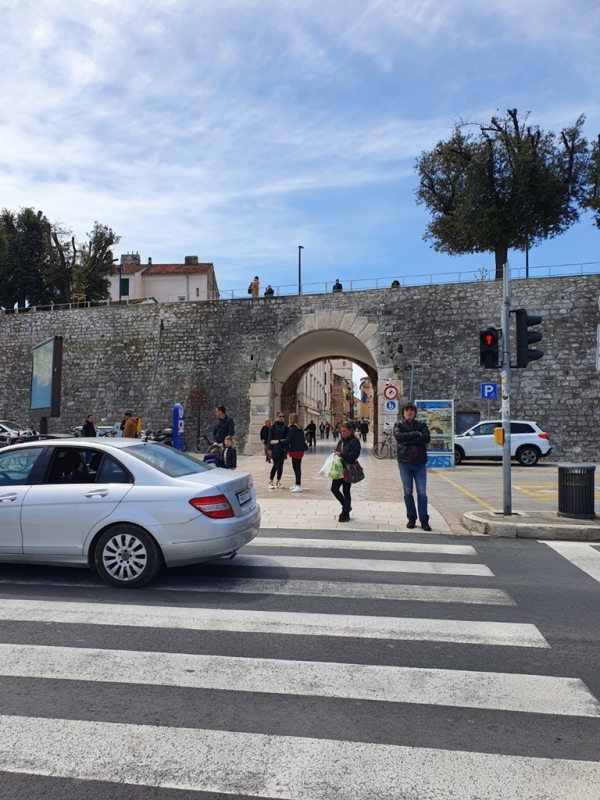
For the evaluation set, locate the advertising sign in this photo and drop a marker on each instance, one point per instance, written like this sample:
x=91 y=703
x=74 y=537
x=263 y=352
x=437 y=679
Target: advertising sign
x=178 y=426
x=44 y=399
x=439 y=416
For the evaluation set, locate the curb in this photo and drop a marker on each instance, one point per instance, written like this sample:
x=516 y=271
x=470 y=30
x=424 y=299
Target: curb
x=532 y=525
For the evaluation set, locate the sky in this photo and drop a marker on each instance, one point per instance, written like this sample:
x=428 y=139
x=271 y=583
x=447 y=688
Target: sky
x=237 y=130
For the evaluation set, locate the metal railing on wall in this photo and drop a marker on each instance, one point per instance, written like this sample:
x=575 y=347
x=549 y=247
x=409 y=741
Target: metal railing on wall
x=327 y=287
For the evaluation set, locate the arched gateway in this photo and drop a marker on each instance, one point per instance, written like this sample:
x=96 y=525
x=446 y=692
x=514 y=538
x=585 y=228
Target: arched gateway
x=324 y=334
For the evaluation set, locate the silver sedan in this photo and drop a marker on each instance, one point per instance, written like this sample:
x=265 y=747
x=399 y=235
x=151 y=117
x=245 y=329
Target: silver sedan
x=122 y=507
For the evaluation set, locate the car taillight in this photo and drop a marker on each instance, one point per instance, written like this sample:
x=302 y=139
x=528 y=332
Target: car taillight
x=215 y=506
x=543 y=435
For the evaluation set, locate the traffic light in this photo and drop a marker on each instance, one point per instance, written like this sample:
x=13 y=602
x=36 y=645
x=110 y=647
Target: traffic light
x=525 y=337
x=489 y=348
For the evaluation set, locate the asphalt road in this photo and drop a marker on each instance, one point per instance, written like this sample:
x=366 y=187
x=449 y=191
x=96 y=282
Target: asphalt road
x=467 y=669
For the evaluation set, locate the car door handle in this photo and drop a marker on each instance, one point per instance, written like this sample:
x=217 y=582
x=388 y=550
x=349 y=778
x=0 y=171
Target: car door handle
x=97 y=493
x=5 y=498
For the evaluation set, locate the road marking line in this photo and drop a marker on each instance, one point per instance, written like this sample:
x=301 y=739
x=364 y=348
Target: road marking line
x=581 y=554
x=464 y=491
x=347 y=544
x=534 y=694
x=274 y=622
x=283 y=767
x=362 y=564
x=365 y=591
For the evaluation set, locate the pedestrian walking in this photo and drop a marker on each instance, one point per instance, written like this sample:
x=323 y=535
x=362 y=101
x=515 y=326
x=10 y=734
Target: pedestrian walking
x=254 y=287
x=229 y=453
x=223 y=425
x=337 y=286
x=269 y=292
x=413 y=436
x=130 y=427
x=322 y=429
x=277 y=435
x=88 y=429
x=327 y=430
x=264 y=438
x=311 y=430
x=364 y=429
x=349 y=449
x=296 y=447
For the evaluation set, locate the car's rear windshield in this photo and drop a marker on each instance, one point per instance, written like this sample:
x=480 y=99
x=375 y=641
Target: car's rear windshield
x=166 y=460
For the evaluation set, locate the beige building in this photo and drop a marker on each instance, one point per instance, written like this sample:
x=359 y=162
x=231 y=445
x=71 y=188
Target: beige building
x=165 y=283
x=314 y=394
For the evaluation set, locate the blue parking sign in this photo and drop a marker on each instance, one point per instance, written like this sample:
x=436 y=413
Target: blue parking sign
x=489 y=391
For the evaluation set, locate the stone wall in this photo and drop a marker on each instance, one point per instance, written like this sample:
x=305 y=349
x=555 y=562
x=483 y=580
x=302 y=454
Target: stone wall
x=149 y=356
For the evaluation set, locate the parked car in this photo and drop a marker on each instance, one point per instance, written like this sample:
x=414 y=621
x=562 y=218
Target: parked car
x=528 y=442
x=121 y=507
x=11 y=431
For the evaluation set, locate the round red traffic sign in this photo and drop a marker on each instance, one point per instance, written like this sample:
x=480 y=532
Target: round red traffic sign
x=390 y=393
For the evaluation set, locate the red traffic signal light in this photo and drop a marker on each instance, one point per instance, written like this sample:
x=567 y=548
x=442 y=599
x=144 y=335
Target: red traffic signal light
x=489 y=348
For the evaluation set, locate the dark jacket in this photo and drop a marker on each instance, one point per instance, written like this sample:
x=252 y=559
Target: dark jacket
x=264 y=434
x=222 y=428
x=230 y=458
x=418 y=436
x=311 y=427
x=349 y=449
x=295 y=441
x=88 y=429
x=278 y=431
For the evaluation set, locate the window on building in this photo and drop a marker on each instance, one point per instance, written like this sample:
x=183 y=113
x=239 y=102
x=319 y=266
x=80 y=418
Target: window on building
x=124 y=287
x=197 y=291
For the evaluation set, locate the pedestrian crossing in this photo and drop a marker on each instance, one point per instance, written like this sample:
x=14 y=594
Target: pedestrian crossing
x=280 y=684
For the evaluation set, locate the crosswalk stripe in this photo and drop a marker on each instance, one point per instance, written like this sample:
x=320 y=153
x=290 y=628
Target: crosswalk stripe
x=581 y=554
x=372 y=565
x=349 y=544
x=366 y=591
x=291 y=623
x=536 y=694
x=284 y=767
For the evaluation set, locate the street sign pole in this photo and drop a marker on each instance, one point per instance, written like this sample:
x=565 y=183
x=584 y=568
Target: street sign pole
x=506 y=484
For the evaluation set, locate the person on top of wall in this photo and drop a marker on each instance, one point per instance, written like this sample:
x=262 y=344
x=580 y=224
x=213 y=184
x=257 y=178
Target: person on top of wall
x=269 y=291
x=254 y=287
x=337 y=286
x=223 y=425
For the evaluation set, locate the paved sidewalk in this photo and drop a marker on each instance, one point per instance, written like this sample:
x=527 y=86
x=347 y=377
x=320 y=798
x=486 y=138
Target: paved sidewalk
x=376 y=502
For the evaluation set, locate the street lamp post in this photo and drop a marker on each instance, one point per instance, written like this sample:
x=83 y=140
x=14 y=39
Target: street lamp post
x=300 y=249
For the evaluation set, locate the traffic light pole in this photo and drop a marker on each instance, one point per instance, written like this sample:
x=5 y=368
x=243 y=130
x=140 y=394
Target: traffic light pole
x=505 y=383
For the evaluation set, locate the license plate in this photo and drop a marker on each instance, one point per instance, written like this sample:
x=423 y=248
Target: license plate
x=244 y=496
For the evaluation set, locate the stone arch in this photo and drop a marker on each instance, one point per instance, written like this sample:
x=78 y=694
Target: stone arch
x=327 y=333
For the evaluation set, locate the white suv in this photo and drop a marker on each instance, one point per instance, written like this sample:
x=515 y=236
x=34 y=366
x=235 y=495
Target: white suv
x=528 y=442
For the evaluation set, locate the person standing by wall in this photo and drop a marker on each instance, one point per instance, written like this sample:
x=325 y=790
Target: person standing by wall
x=88 y=428
x=311 y=430
x=130 y=427
x=277 y=435
x=349 y=449
x=413 y=436
x=337 y=286
x=296 y=447
x=322 y=429
x=223 y=425
x=264 y=438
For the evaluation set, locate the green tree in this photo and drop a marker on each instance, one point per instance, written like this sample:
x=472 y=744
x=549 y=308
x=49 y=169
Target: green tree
x=592 y=195
x=95 y=263
x=24 y=257
x=508 y=187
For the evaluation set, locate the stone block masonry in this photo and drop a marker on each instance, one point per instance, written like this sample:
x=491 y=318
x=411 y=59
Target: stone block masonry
x=147 y=357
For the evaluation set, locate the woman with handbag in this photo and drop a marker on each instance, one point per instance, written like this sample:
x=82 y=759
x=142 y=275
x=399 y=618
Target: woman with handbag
x=296 y=447
x=348 y=448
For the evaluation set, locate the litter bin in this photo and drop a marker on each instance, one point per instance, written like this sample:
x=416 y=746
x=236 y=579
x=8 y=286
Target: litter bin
x=576 y=491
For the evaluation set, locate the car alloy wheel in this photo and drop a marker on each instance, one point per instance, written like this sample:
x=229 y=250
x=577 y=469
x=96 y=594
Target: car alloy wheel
x=528 y=457
x=126 y=556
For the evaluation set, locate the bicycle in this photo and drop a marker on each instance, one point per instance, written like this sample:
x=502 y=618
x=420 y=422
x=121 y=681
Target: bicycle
x=388 y=447
x=203 y=444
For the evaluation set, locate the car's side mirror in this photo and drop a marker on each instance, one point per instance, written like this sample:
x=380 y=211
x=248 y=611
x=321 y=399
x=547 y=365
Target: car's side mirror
x=471 y=433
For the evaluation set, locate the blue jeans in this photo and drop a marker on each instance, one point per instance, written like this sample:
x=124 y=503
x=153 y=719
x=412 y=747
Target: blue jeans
x=418 y=473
